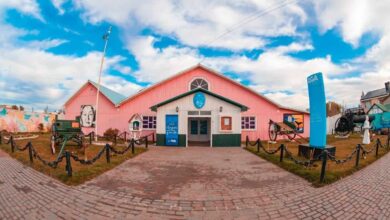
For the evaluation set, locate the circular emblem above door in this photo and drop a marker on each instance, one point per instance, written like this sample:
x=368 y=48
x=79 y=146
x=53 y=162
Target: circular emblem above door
x=199 y=100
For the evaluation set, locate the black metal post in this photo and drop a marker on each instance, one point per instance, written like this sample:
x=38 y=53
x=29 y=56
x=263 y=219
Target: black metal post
x=323 y=168
x=125 y=136
x=30 y=153
x=258 y=145
x=357 y=155
x=12 y=144
x=132 y=146
x=377 y=147
x=68 y=166
x=281 y=153
x=108 y=159
x=153 y=138
x=146 y=142
x=90 y=138
x=1 y=137
x=246 y=141
x=115 y=137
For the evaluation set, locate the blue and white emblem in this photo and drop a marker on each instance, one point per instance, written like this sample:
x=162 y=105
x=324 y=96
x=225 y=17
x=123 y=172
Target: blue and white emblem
x=199 y=100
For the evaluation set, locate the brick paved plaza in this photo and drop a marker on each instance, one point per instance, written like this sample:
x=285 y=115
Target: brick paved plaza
x=194 y=183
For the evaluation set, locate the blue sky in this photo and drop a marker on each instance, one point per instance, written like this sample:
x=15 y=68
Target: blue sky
x=50 y=48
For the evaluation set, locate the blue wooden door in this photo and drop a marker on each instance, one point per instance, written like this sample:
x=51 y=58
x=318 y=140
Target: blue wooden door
x=171 y=130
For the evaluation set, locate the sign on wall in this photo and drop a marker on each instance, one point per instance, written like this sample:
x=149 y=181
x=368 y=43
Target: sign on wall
x=199 y=100
x=171 y=130
x=317 y=110
x=87 y=116
x=295 y=121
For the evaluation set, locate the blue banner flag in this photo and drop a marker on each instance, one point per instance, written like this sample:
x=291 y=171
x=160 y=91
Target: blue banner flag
x=171 y=130
x=317 y=110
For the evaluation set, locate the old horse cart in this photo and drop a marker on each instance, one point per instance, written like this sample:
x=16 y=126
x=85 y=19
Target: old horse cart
x=64 y=131
x=284 y=128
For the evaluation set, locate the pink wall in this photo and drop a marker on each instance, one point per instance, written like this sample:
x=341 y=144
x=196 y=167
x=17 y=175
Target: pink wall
x=110 y=117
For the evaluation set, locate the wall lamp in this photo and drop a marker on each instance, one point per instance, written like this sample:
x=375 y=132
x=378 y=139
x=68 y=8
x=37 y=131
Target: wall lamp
x=220 y=108
x=177 y=108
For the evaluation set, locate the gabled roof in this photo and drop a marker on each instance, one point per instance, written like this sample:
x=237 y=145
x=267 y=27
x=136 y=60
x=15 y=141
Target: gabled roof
x=111 y=95
x=243 y=107
x=217 y=74
x=375 y=93
x=385 y=108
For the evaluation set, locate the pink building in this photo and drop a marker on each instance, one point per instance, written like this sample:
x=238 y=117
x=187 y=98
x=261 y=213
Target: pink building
x=197 y=106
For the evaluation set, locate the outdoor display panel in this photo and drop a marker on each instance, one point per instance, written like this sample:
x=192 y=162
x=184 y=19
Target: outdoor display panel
x=295 y=121
x=171 y=130
x=87 y=116
x=317 y=110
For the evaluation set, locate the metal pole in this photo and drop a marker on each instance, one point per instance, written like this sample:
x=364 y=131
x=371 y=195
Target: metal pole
x=377 y=147
x=68 y=166
x=323 y=168
x=30 y=153
x=258 y=145
x=281 y=153
x=357 y=155
x=108 y=153
x=132 y=146
x=100 y=76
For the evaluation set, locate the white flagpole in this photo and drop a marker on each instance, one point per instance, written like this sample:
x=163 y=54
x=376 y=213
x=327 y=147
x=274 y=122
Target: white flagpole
x=105 y=37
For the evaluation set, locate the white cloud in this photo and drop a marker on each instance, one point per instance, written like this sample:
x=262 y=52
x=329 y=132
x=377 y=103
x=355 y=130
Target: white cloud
x=58 y=5
x=353 y=17
x=30 y=7
x=45 y=44
x=50 y=79
x=156 y=64
x=195 y=23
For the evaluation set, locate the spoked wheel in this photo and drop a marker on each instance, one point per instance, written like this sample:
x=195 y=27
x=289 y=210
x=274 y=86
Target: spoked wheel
x=272 y=131
x=342 y=126
x=291 y=136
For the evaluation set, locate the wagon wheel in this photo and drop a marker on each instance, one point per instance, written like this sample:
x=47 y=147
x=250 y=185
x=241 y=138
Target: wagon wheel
x=53 y=144
x=273 y=131
x=342 y=126
x=291 y=135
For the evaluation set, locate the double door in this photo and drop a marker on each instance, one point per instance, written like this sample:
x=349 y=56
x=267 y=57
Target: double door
x=199 y=129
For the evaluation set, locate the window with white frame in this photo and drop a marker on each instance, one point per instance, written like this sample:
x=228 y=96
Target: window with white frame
x=199 y=83
x=149 y=122
x=248 y=123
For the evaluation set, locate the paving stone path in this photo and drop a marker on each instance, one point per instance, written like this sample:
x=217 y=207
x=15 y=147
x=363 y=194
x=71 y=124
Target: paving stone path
x=194 y=183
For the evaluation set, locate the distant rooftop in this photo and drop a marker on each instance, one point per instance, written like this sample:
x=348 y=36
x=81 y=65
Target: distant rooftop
x=376 y=93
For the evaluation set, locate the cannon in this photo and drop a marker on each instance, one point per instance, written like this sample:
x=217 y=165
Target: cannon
x=350 y=119
x=63 y=131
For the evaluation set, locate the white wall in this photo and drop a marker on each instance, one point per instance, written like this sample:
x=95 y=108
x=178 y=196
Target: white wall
x=330 y=123
x=212 y=104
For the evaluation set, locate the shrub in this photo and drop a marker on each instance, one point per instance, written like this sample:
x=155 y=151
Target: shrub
x=111 y=133
x=41 y=127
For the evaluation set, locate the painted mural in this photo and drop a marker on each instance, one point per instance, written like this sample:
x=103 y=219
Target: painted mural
x=87 y=116
x=21 y=121
x=295 y=120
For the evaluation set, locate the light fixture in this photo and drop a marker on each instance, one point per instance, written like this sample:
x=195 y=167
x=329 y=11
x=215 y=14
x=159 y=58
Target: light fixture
x=220 y=108
x=177 y=108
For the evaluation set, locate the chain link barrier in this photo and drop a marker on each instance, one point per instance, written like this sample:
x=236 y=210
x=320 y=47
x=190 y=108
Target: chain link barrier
x=91 y=161
x=341 y=161
x=269 y=152
x=305 y=163
x=120 y=151
x=52 y=164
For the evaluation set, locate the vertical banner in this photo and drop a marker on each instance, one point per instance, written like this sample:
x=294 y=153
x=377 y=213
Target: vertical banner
x=317 y=110
x=171 y=130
